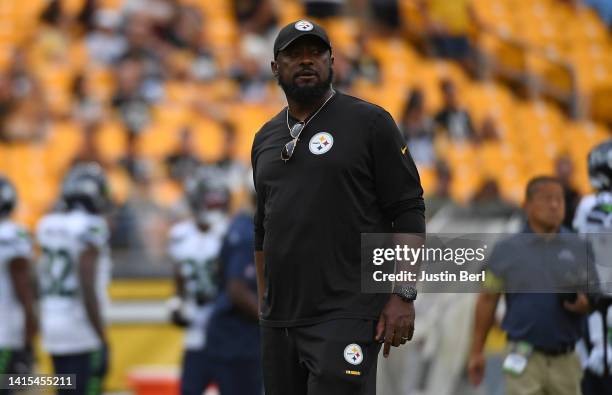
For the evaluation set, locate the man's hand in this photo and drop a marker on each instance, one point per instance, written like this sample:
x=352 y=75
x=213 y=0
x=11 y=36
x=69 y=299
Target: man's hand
x=476 y=368
x=396 y=323
x=579 y=306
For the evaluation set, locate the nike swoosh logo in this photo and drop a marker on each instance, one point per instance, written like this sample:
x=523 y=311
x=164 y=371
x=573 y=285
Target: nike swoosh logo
x=404 y=149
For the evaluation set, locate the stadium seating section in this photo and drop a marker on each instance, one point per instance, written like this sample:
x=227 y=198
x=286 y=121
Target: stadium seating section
x=534 y=132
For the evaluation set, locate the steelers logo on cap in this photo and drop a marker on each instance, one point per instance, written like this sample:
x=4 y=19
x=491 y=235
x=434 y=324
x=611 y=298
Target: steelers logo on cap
x=304 y=26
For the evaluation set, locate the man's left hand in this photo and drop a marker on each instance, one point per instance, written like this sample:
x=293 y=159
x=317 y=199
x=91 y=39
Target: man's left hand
x=396 y=323
x=580 y=306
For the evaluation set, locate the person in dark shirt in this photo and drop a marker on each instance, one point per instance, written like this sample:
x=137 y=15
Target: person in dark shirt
x=542 y=326
x=417 y=129
x=564 y=169
x=451 y=119
x=255 y=16
x=233 y=333
x=184 y=161
x=327 y=168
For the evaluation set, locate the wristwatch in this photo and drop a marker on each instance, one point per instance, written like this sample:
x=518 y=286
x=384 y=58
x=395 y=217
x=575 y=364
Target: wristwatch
x=407 y=293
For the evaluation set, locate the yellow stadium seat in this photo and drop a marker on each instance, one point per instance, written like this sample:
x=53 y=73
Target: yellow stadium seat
x=208 y=139
x=428 y=179
x=343 y=33
x=601 y=103
x=166 y=192
x=111 y=141
x=290 y=11
x=171 y=115
x=119 y=184
x=63 y=143
x=157 y=141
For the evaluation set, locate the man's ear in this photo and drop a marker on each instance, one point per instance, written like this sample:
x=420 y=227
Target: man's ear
x=274 y=68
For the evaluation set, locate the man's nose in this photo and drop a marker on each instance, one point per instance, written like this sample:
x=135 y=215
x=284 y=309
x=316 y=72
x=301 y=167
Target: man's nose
x=305 y=57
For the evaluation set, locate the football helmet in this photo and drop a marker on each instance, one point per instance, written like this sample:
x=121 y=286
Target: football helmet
x=206 y=191
x=8 y=197
x=600 y=166
x=86 y=187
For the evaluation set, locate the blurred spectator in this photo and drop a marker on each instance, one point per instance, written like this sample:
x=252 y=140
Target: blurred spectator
x=131 y=97
x=323 y=8
x=89 y=150
x=87 y=16
x=134 y=166
x=104 y=43
x=52 y=42
x=232 y=170
x=417 y=129
x=564 y=170
x=249 y=71
x=448 y=24
x=386 y=15
x=255 y=16
x=452 y=119
x=188 y=34
x=364 y=65
x=184 y=161
x=487 y=193
x=86 y=107
x=143 y=43
x=53 y=15
x=442 y=191
x=23 y=112
x=488 y=131
x=488 y=201
x=345 y=71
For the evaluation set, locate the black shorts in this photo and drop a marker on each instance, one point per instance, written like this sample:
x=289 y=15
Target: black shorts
x=89 y=369
x=334 y=357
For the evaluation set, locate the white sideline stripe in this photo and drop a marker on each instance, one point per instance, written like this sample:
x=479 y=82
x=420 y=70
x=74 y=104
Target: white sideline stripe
x=154 y=312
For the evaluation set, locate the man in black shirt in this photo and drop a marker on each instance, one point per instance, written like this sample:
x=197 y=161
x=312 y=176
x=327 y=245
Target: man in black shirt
x=326 y=168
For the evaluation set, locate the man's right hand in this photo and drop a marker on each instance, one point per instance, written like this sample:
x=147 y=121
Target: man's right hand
x=476 y=368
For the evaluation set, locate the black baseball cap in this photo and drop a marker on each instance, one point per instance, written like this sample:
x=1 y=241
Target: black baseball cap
x=295 y=30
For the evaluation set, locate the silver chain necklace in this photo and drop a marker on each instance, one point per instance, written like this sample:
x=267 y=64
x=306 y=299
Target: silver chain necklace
x=313 y=115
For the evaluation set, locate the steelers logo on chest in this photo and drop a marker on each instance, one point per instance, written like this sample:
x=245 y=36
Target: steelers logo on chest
x=321 y=143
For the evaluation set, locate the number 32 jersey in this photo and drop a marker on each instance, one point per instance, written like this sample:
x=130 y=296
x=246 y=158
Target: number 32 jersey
x=63 y=237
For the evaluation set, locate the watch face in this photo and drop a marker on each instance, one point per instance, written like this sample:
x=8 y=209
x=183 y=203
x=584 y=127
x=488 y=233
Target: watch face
x=407 y=293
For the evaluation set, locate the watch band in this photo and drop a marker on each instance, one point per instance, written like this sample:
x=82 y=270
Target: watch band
x=407 y=293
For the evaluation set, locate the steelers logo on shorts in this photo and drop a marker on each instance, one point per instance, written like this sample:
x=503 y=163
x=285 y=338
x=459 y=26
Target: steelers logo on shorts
x=320 y=143
x=353 y=354
x=304 y=26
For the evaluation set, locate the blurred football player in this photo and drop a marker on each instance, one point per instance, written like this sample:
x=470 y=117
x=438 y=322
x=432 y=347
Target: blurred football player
x=75 y=269
x=193 y=247
x=18 y=322
x=594 y=218
x=233 y=346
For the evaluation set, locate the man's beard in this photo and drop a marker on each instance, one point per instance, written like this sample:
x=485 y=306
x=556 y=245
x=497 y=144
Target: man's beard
x=307 y=94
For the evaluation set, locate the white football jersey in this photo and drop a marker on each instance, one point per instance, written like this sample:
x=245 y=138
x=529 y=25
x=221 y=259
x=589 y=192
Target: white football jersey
x=63 y=237
x=594 y=219
x=14 y=243
x=196 y=254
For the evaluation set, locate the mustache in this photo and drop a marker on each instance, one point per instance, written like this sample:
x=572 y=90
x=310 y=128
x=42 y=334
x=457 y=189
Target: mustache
x=305 y=72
